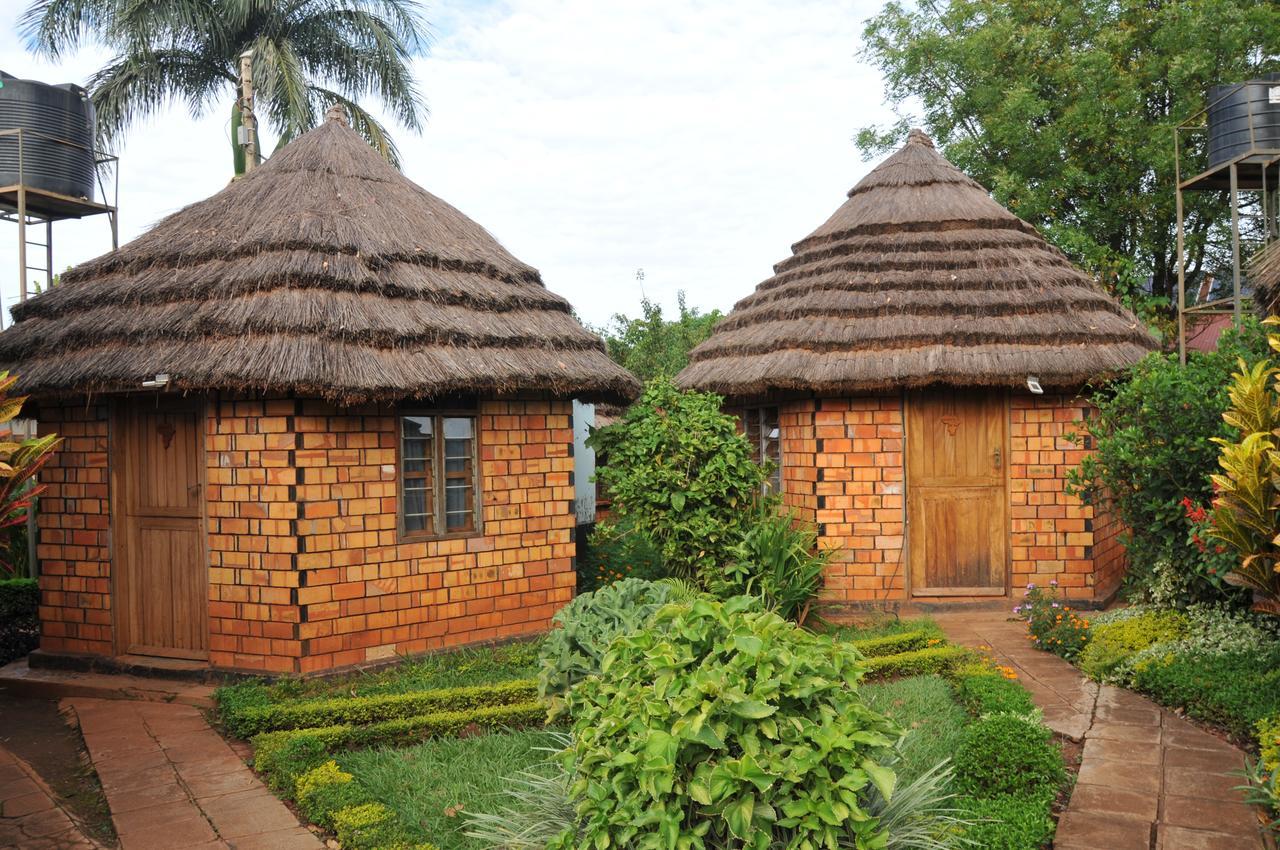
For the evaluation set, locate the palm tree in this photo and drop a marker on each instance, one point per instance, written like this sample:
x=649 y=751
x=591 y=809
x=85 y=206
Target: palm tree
x=307 y=55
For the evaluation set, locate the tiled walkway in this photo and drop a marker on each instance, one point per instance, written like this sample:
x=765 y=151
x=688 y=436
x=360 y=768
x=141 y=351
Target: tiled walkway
x=1149 y=780
x=173 y=783
x=30 y=816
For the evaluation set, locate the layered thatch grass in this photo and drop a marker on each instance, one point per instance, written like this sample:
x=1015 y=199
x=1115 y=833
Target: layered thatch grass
x=1264 y=276
x=325 y=272
x=919 y=278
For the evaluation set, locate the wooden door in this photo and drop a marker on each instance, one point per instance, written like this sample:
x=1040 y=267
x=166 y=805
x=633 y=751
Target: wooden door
x=162 y=583
x=957 y=502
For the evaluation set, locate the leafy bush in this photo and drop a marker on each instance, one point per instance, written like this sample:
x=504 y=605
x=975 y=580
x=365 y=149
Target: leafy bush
x=584 y=628
x=1145 y=468
x=1112 y=644
x=1269 y=741
x=722 y=726
x=1053 y=626
x=991 y=692
x=367 y=825
x=1263 y=792
x=19 y=464
x=1007 y=822
x=283 y=756
x=1234 y=690
x=933 y=659
x=922 y=814
x=246 y=720
x=615 y=551
x=679 y=470
x=1246 y=513
x=19 y=617
x=776 y=561
x=1009 y=754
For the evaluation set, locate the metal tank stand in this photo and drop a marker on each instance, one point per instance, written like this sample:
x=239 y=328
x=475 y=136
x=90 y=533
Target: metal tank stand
x=31 y=207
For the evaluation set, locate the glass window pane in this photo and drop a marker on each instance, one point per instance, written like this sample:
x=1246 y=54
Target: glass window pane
x=458 y=515
x=457 y=428
x=417 y=507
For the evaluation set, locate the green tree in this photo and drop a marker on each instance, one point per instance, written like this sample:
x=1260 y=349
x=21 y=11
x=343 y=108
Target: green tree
x=308 y=55
x=682 y=475
x=1065 y=109
x=650 y=345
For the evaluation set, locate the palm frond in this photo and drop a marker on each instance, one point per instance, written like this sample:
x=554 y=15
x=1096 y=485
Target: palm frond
x=130 y=88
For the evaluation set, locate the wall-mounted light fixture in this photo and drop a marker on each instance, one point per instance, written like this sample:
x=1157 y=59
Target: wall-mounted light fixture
x=159 y=382
x=1033 y=384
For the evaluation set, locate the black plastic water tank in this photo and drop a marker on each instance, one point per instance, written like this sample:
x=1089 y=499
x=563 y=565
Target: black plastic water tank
x=1256 y=102
x=63 y=113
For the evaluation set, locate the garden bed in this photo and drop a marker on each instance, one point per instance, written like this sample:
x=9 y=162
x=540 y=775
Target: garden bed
x=403 y=755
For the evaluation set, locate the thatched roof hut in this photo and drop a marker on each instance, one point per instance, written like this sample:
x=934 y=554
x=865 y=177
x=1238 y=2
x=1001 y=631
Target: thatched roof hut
x=1264 y=277
x=920 y=278
x=325 y=272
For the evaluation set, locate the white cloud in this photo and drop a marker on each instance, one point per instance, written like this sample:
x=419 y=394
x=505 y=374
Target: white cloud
x=697 y=140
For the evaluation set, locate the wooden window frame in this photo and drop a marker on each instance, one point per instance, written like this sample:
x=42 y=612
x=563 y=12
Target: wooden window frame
x=438 y=476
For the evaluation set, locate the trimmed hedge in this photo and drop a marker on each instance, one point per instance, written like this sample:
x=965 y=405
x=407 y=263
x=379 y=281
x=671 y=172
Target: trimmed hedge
x=19 y=620
x=990 y=693
x=933 y=659
x=893 y=644
x=332 y=798
x=1006 y=822
x=245 y=721
x=283 y=756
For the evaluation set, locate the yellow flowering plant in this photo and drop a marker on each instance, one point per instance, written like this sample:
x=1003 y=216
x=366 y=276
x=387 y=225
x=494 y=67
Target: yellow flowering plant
x=1052 y=624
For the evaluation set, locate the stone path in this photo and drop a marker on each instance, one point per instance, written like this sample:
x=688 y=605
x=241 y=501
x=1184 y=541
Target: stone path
x=1149 y=780
x=173 y=783
x=30 y=816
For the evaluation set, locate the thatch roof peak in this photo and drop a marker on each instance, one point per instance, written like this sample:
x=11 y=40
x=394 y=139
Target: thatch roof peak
x=919 y=278
x=326 y=272
x=916 y=136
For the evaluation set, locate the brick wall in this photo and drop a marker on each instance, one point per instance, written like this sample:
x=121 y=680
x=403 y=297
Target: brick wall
x=843 y=470
x=74 y=525
x=306 y=571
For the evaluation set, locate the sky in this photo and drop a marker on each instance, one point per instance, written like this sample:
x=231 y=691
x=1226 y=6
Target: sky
x=693 y=139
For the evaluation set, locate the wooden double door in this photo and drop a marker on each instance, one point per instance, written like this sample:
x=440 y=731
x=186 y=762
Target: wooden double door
x=161 y=583
x=957 y=493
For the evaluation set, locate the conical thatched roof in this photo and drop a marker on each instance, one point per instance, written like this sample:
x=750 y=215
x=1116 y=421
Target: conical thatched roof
x=324 y=272
x=919 y=278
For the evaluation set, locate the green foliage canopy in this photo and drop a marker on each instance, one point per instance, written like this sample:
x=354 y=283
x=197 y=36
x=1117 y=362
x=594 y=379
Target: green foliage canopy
x=1153 y=437
x=1066 y=109
x=682 y=474
x=651 y=345
x=308 y=55
x=721 y=726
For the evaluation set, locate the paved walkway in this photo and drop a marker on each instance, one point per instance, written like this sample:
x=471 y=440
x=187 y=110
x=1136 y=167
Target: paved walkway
x=30 y=816
x=173 y=783
x=1149 y=780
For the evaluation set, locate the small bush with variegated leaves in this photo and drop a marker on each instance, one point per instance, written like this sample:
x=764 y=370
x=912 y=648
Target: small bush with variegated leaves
x=723 y=726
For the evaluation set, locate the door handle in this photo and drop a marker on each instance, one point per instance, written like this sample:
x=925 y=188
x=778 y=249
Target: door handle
x=997 y=457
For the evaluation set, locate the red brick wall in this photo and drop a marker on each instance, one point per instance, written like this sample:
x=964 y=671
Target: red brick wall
x=843 y=469
x=306 y=572
x=75 y=532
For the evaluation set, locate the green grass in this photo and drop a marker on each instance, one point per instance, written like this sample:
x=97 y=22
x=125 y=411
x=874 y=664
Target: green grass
x=483 y=666
x=430 y=784
x=881 y=625
x=925 y=706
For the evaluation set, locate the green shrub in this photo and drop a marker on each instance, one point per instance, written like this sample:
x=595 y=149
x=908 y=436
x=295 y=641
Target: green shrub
x=614 y=551
x=367 y=825
x=1007 y=822
x=586 y=626
x=1234 y=690
x=246 y=720
x=19 y=617
x=932 y=659
x=283 y=756
x=1145 y=468
x=719 y=725
x=778 y=562
x=1008 y=754
x=989 y=692
x=1111 y=644
x=322 y=791
x=894 y=644
x=1051 y=623
x=678 y=469
x=1269 y=742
